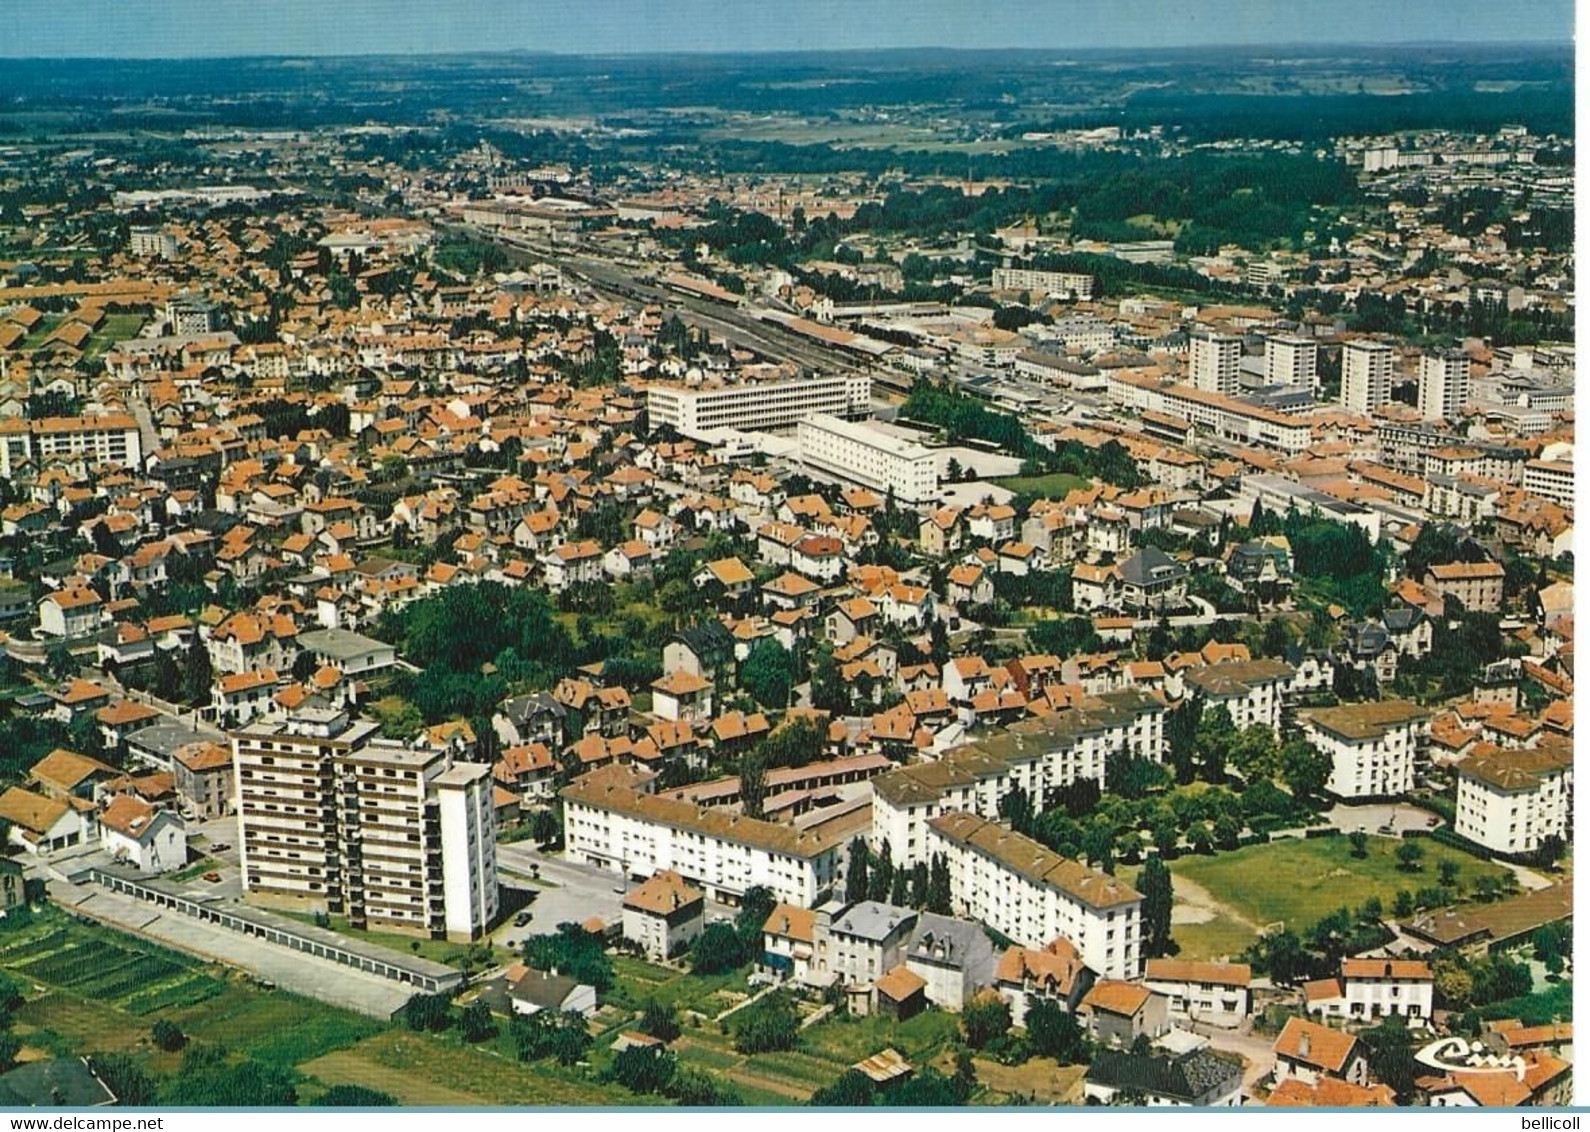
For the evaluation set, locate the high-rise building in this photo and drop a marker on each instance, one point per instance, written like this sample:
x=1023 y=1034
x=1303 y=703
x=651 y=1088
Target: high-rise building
x=1291 y=360
x=331 y=820
x=1443 y=384
x=1214 y=360
x=1366 y=375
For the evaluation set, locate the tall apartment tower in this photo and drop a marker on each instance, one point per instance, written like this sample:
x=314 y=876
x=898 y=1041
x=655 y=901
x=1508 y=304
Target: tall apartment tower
x=330 y=820
x=1291 y=360
x=1443 y=384
x=1213 y=361
x=1366 y=375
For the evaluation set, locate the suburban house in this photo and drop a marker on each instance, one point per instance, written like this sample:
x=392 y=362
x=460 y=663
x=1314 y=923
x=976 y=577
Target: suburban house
x=664 y=914
x=532 y=991
x=1310 y=1052
x=1217 y=993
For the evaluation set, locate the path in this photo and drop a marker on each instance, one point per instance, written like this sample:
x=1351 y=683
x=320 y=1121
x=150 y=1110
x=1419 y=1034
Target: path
x=1195 y=904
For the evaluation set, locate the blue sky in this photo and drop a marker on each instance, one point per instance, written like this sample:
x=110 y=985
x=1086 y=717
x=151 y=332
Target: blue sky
x=183 y=28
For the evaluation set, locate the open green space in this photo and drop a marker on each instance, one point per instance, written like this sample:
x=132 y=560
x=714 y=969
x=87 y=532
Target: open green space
x=1055 y=485
x=1298 y=882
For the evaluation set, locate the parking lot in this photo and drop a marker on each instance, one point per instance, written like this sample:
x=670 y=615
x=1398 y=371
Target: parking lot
x=1400 y=816
x=566 y=893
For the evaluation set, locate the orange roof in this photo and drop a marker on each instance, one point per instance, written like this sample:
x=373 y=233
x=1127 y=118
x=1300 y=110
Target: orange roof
x=1192 y=971
x=662 y=895
x=1327 y=1048
x=1386 y=969
x=901 y=983
x=1330 y=1092
x=790 y=922
x=1116 y=997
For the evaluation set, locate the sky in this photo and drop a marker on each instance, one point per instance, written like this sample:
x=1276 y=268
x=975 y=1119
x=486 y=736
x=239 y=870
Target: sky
x=189 y=28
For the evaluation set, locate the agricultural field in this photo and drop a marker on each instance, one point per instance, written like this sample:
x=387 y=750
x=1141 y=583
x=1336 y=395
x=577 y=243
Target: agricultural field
x=104 y=968
x=1224 y=901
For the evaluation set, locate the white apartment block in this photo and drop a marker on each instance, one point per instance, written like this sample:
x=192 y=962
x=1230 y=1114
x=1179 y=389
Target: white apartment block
x=1367 y=369
x=1373 y=747
x=1291 y=360
x=1371 y=989
x=1550 y=479
x=1042 y=283
x=869 y=457
x=1226 y=417
x=637 y=835
x=109 y=440
x=1510 y=801
x=153 y=242
x=1036 y=756
x=392 y=838
x=1213 y=361
x=1253 y=691
x=1443 y=385
x=1016 y=886
x=757 y=406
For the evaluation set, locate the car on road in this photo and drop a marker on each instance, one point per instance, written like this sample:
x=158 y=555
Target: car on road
x=1389 y=827
x=221 y=848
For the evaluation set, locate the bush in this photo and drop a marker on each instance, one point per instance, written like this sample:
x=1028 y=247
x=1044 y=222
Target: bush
x=168 y=1036
x=767 y=1026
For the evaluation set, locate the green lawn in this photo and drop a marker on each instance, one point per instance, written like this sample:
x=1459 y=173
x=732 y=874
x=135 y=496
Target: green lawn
x=637 y=982
x=1056 y=485
x=1300 y=881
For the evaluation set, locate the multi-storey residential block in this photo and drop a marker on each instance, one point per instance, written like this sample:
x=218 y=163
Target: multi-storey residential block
x=724 y=854
x=1213 y=361
x=1443 y=385
x=1043 y=283
x=1550 y=479
x=1511 y=800
x=1373 y=747
x=757 y=406
x=389 y=837
x=1367 y=368
x=1251 y=690
x=1031 y=894
x=1291 y=360
x=108 y=440
x=1478 y=585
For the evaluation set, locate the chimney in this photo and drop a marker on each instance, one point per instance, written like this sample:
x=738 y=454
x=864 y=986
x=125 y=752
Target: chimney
x=1303 y=1044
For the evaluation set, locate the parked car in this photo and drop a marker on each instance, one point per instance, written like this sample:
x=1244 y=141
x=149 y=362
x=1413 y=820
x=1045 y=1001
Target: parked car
x=213 y=878
x=521 y=919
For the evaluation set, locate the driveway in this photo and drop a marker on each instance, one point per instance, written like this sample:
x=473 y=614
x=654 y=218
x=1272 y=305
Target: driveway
x=564 y=893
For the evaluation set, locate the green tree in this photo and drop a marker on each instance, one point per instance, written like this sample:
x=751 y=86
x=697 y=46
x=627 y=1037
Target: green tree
x=856 y=872
x=1217 y=738
x=125 y=1078
x=880 y=878
x=768 y=673
x=1054 y=1032
x=644 y=1069
x=985 y=1019
x=1359 y=840
x=716 y=950
x=428 y=1012
x=767 y=1026
x=573 y=951
x=658 y=1020
x=1389 y=1048
x=168 y=1035
x=355 y=1096
x=1409 y=854
x=753 y=781
x=939 y=894
x=476 y=1023
x=197 y=675
x=1154 y=882
x=562 y=1035
x=853 y=1089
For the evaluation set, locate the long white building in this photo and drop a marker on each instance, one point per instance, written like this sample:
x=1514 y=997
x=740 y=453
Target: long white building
x=1225 y=417
x=1036 y=756
x=874 y=459
x=1367 y=369
x=1041 y=283
x=109 y=440
x=392 y=838
x=1373 y=747
x=636 y=835
x=1033 y=895
x=757 y=406
x=1510 y=801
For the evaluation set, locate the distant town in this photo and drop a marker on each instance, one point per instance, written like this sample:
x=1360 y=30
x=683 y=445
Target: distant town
x=779 y=593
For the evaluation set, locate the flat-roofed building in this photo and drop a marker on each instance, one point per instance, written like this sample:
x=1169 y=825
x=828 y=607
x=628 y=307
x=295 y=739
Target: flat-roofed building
x=1291 y=360
x=1214 y=360
x=1510 y=801
x=1550 y=479
x=1367 y=368
x=875 y=459
x=757 y=406
x=1443 y=385
x=1032 y=895
x=1373 y=747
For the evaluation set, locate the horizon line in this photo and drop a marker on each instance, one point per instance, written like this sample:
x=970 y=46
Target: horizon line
x=422 y=53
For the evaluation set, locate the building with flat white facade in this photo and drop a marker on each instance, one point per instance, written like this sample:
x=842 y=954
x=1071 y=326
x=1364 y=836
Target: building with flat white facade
x=1509 y=801
x=1042 y=283
x=1443 y=385
x=389 y=837
x=1291 y=360
x=724 y=854
x=152 y=242
x=109 y=440
x=1373 y=747
x=1214 y=360
x=757 y=406
x=1226 y=417
x=874 y=459
x=1016 y=886
x=1550 y=479
x=1366 y=375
